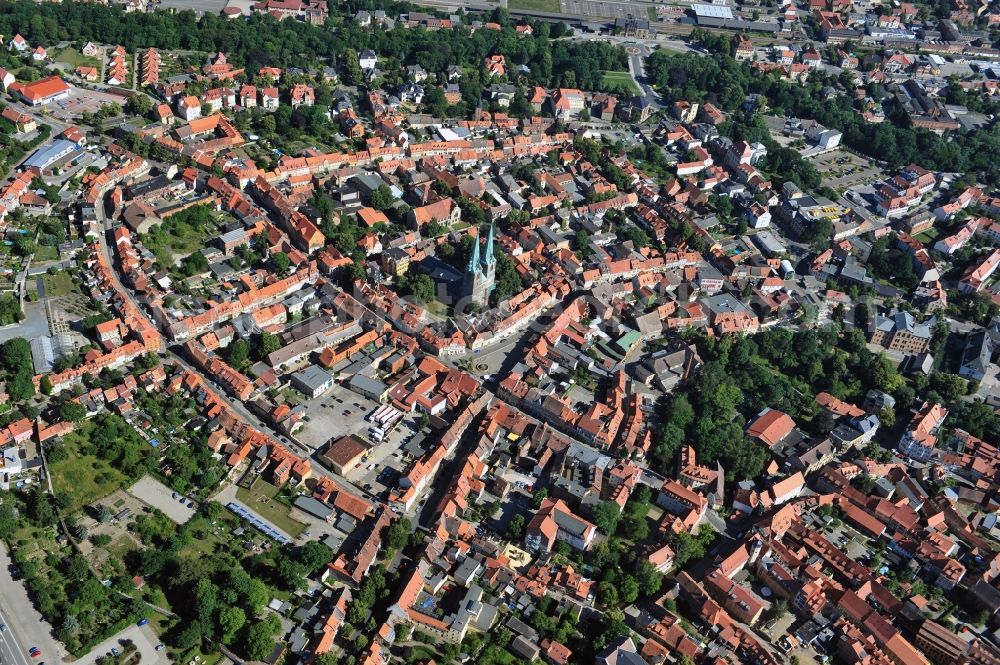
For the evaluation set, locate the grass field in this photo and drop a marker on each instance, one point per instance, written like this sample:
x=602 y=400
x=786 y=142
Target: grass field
x=620 y=79
x=262 y=498
x=536 y=5
x=84 y=478
x=74 y=58
x=59 y=284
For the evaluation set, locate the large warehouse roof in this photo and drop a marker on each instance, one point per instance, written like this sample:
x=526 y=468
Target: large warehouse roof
x=713 y=11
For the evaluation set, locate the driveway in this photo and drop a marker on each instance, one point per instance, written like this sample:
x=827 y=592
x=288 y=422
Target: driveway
x=145 y=640
x=25 y=626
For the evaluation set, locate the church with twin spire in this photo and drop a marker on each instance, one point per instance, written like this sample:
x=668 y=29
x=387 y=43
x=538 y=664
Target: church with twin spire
x=480 y=273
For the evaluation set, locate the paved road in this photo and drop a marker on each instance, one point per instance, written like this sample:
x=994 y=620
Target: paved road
x=10 y=650
x=25 y=626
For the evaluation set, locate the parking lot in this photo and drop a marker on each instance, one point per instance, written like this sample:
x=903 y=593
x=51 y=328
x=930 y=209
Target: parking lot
x=842 y=170
x=83 y=100
x=157 y=495
x=143 y=637
x=337 y=413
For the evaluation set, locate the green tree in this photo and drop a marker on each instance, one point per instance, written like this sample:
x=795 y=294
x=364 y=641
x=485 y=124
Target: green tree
x=256 y=597
x=260 y=637
x=420 y=287
x=21 y=387
x=382 y=198
x=268 y=343
x=15 y=354
x=398 y=534
x=8 y=519
x=516 y=527
x=607 y=592
x=314 y=555
x=72 y=412
x=239 y=353
x=351 y=71
x=231 y=621
x=10 y=310
x=139 y=104
x=281 y=262
x=629 y=589
x=606 y=516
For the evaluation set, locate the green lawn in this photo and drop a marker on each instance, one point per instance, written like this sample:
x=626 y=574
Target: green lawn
x=929 y=236
x=84 y=478
x=59 y=284
x=262 y=498
x=553 y=6
x=46 y=253
x=619 y=79
x=74 y=58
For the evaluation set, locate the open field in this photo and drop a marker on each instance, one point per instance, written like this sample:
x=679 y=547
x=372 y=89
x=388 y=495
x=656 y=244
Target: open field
x=619 y=79
x=262 y=498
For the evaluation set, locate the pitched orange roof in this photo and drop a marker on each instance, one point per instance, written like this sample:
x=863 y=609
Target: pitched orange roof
x=771 y=427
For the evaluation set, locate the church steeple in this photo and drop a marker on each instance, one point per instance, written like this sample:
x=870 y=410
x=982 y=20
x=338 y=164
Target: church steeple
x=490 y=259
x=474 y=257
x=480 y=273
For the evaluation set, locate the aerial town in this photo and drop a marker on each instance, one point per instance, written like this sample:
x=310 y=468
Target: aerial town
x=531 y=331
